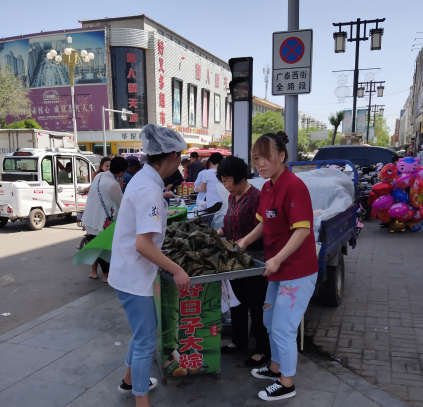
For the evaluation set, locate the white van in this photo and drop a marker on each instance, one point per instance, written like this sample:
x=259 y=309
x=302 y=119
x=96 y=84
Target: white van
x=39 y=184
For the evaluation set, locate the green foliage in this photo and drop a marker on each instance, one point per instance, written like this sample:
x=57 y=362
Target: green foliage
x=23 y=124
x=302 y=153
x=13 y=95
x=269 y=122
x=382 y=131
x=336 y=120
x=226 y=142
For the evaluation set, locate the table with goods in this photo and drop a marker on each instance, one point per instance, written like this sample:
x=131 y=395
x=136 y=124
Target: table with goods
x=189 y=321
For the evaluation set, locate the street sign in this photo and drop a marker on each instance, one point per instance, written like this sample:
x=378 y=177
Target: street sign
x=319 y=135
x=291 y=62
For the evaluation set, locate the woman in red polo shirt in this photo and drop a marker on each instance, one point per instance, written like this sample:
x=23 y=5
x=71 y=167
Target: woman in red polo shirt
x=286 y=225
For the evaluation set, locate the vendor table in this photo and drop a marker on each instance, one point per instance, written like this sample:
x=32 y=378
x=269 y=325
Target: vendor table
x=189 y=323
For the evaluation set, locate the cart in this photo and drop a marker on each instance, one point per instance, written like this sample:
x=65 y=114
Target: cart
x=336 y=234
x=189 y=323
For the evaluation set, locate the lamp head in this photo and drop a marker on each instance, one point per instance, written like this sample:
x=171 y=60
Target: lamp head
x=69 y=40
x=91 y=55
x=58 y=59
x=68 y=51
x=87 y=59
x=49 y=56
x=53 y=53
x=84 y=53
x=340 y=41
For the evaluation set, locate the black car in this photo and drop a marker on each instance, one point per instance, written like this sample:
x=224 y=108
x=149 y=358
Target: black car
x=364 y=156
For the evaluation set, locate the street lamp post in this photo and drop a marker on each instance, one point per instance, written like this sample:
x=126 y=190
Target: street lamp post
x=70 y=58
x=371 y=88
x=123 y=112
x=340 y=46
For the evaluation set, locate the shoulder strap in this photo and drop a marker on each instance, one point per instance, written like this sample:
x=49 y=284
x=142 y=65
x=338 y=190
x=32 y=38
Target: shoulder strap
x=101 y=198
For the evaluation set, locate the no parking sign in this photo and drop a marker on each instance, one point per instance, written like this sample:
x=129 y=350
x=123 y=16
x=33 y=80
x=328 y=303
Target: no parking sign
x=292 y=57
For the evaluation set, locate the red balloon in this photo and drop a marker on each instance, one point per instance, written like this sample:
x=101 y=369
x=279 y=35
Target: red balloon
x=384 y=216
x=409 y=215
x=372 y=197
x=382 y=188
x=418 y=215
x=375 y=214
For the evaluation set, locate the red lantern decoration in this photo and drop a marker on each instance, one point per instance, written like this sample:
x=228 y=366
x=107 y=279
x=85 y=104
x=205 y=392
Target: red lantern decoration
x=375 y=214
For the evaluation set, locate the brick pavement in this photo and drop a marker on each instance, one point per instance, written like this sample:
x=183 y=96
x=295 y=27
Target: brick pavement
x=378 y=329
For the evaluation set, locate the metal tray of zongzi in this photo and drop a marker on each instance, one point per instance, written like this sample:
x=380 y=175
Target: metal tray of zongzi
x=229 y=275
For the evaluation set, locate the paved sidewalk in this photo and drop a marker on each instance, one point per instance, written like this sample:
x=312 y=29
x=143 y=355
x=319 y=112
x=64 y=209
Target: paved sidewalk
x=378 y=330
x=69 y=357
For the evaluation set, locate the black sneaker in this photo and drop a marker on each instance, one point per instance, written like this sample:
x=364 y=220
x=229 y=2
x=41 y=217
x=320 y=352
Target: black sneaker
x=126 y=388
x=277 y=391
x=265 y=373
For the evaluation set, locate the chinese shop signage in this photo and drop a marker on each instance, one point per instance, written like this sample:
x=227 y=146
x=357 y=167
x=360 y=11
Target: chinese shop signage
x=129 y=86
x=132 y=88
x=188 y=338
x=162 y=95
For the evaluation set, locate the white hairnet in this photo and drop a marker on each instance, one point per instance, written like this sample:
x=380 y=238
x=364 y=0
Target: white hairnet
x=158 y=140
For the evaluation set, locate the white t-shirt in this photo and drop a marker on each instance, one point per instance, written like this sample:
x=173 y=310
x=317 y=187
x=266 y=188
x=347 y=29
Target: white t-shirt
x=143 y=210
x=212 y=195
x=201 y=195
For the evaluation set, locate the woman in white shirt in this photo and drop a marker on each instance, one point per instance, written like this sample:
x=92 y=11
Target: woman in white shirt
x=136 y=255
x=209 y=182
x=102 y=206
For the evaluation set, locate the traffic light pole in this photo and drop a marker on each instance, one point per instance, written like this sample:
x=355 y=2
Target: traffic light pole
x=291 y=101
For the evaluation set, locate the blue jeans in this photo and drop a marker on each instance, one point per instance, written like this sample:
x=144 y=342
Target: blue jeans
x=142 y=318
x=289 y=301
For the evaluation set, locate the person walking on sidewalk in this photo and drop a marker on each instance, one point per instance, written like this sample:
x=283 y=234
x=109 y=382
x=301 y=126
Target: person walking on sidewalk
x=136 y=255
x=286 y=225
x=195 y=166
x=239 y=221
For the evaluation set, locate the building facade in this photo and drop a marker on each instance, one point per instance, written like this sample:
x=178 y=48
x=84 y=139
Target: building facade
x=263 y=105
x=164 y=79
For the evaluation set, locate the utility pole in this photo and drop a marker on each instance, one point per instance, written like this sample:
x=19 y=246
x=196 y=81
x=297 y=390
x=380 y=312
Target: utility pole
x=340 y=38
x=291 y=101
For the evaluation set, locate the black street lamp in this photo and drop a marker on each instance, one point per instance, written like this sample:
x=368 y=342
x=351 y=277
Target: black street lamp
x=340 y=45
x=371 y=88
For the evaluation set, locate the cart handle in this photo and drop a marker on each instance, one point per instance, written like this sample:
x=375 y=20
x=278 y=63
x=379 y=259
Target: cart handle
x=321 y=163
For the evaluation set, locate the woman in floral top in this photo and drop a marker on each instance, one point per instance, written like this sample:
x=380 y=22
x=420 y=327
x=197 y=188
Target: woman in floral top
x=239 y=221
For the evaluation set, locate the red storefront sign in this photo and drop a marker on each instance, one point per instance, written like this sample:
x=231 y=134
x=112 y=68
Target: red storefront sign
x=162 y=95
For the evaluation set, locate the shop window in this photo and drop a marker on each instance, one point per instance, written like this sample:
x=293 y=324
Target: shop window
x=192 y=105
x=228 y=118
x=47 y=170
x=82 y=147
x=176 y=100
x=98 y=149
x=205 y=107
x=82 y=171
x=216 y=108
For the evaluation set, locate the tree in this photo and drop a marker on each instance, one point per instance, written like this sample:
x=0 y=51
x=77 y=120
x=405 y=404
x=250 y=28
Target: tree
x=336 y=120
x=13 y=95
x=381 y=131
x=24 y=124
x=270 y=122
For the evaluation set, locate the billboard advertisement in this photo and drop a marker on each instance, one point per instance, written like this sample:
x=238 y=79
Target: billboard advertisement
x=49 y=82
x=346 y=123
x=361 y=121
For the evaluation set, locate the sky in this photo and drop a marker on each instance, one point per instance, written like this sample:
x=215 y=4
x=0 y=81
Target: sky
x=239 y=28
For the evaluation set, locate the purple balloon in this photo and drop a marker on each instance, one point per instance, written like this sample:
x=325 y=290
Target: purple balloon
x=383 y=202
x=398 y=210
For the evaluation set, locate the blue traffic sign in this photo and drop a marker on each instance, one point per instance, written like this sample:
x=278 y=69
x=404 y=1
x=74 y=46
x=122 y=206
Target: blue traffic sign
x=292 y=50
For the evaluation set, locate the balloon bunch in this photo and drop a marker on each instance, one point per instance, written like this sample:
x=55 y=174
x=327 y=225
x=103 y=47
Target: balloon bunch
x=398 y=198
